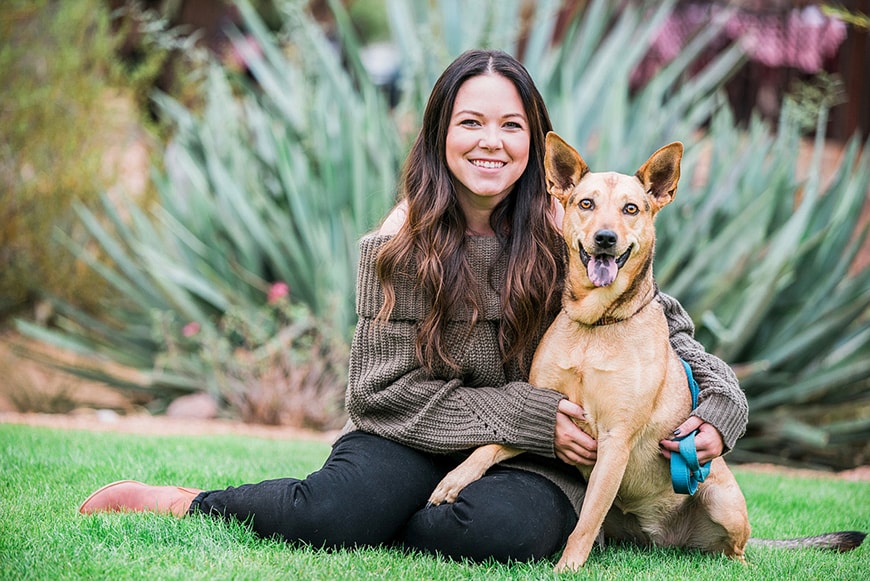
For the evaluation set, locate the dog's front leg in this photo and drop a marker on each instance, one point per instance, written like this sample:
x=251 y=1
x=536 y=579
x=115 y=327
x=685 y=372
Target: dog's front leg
x=601 y=490
x=471 y=469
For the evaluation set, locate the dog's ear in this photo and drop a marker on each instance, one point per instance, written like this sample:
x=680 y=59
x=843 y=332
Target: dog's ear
x=660 y=174
x=563 y=167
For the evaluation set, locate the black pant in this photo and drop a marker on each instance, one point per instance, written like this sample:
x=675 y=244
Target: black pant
x=373 y=491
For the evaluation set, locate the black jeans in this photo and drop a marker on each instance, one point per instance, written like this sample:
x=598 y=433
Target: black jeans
x=372 y=491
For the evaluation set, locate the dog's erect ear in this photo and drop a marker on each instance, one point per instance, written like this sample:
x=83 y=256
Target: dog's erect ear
x=563 y=167
x=660 y=174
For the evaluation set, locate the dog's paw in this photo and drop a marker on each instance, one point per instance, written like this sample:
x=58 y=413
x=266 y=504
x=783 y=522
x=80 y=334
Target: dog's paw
x=566 y=567
x=570 y=562
x=452 y=484
x=446 y=491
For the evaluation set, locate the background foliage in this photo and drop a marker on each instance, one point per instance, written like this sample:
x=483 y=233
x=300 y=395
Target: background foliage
x=75 y=123
x=282 y=171
x=56 y=128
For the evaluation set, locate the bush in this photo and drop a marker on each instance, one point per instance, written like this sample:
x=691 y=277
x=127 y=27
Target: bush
x=75 y=124
x=272 y=365
x=59 y=111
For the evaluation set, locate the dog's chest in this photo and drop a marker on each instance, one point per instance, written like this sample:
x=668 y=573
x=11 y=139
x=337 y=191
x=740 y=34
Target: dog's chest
x=604 y=362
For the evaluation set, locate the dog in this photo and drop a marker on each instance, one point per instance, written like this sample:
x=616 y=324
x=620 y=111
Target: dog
x=608 y=350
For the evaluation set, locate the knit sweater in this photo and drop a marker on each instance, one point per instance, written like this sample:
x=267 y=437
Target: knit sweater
x=485 y=401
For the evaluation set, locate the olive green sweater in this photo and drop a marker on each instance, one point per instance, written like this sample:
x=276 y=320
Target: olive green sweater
x=390 y=395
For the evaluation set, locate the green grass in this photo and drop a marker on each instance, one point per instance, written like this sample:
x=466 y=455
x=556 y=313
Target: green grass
x=45 y=474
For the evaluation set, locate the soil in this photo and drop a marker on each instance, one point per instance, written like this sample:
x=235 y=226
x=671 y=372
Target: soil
x=109 y=421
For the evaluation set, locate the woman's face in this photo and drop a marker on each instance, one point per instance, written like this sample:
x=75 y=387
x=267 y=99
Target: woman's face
x=488 y=140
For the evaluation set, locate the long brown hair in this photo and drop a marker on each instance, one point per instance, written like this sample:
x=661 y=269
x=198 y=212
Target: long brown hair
x=433 y=237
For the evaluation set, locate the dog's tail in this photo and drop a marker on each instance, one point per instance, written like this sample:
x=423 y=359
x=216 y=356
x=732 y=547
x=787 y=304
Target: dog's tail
x=841 y=541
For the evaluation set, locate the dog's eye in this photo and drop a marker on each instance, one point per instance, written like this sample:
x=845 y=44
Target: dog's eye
x=630 y=209
x=586 y=204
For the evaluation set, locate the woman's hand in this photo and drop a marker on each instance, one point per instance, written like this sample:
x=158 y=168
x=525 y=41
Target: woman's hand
x=708 y=440
x=573 y=445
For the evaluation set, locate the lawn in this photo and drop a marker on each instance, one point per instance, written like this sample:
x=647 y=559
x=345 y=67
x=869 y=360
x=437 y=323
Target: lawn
x=45 y=474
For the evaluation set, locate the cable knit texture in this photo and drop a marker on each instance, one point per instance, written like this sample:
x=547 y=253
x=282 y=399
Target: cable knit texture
x=484 y=401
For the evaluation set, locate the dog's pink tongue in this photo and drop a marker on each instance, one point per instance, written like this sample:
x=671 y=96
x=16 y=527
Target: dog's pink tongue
x=602 y=269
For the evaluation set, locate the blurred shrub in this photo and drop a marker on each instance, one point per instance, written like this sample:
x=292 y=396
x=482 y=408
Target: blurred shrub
x=272 y=181
x=761 y=253
x=58 y=113
x=271 y=365
x=74 y=125
x=369 y=19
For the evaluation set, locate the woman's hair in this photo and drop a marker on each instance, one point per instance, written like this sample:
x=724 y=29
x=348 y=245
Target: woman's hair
x=432 y=239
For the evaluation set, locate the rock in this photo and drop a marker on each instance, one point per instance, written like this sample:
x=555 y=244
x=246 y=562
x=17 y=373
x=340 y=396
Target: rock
x=199 y=406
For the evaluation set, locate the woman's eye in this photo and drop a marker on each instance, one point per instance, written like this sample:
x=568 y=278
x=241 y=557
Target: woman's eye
x=630 y=209
x=469 y=122
x=586 y=204
x=513 y=125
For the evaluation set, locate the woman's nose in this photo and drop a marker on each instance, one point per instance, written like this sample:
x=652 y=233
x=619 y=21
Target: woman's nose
x=491 y=139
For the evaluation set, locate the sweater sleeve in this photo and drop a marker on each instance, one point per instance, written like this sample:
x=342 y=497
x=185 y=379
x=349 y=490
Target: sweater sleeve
x=721 y=402
x=390 y=395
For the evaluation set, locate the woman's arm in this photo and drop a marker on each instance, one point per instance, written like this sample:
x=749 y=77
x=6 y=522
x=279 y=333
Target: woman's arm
x=721 y=402
x=389 y=394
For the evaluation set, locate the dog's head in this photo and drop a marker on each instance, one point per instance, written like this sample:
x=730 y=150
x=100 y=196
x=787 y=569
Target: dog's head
x=609 y=216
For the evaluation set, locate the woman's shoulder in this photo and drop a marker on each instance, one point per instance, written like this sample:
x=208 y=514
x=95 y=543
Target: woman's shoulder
x=394 y=220
x=371 y=242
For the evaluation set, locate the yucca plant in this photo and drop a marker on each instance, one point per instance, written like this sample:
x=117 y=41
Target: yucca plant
x=772 y=289
x=269 y=183
x=276 y=182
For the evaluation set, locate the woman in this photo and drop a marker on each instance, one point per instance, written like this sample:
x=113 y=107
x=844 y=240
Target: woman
x=453 y=294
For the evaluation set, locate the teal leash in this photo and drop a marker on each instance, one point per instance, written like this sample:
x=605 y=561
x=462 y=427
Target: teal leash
x=686 y=472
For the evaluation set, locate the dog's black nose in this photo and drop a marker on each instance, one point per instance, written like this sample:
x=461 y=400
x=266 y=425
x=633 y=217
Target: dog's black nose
x=605 y=239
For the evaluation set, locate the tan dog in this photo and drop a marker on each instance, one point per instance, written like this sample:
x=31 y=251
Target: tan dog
x=608 y=350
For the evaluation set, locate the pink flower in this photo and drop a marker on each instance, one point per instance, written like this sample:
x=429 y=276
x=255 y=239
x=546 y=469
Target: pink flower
x=277 y=291
x=241 y=53
x=190 y=329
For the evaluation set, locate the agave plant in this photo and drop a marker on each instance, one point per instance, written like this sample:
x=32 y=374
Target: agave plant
x=773 y=291
x=277 y=181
